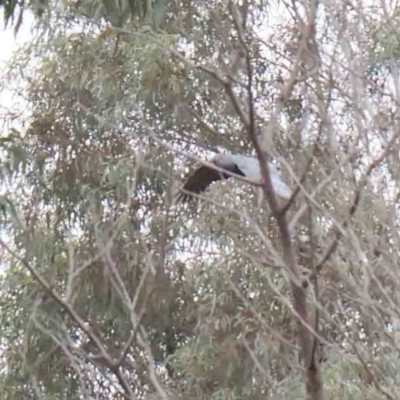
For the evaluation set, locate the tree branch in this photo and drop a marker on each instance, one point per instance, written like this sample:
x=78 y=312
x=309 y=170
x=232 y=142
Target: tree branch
x=83 y=325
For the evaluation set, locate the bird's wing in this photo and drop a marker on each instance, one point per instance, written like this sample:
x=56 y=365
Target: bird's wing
x=247 y=166
x=250 y=167
x=199 y=181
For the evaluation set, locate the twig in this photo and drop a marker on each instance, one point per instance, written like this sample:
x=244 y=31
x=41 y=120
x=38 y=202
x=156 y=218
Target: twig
x=84 y=326
x=371 y=374
x=357 y=197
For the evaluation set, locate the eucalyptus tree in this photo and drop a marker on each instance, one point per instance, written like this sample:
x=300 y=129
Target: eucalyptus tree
x=112 y=288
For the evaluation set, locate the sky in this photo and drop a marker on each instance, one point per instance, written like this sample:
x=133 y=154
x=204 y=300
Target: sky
x=9 y=44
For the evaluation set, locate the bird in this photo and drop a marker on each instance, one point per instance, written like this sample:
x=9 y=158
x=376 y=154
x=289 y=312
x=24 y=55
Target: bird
x=246 y=166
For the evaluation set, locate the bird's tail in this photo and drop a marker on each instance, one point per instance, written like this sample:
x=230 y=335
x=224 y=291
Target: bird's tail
x=281 y=189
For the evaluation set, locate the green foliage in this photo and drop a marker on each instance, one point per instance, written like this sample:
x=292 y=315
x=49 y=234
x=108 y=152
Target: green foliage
x=10 y=8
x=193 y=301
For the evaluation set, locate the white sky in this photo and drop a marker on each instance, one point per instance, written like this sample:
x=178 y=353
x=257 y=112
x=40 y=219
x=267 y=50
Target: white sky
x=9 y=44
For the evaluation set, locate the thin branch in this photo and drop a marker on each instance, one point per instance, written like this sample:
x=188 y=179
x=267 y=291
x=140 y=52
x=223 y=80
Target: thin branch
x=83 y=325
x=371 y=374
x=357 y=197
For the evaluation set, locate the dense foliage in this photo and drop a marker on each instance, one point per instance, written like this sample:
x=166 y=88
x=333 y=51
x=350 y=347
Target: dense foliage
x=109 y=288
